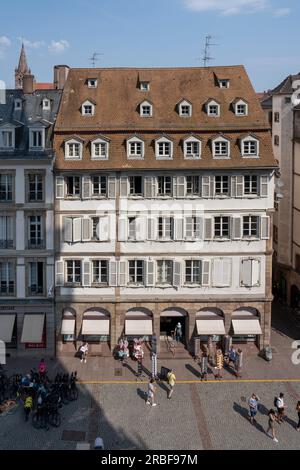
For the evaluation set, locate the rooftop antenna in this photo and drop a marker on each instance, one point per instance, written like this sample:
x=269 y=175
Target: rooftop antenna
x=207 y=57
x=94 y=58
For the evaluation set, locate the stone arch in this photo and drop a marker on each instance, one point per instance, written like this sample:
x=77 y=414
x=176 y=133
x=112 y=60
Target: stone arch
x=174 y=312
x=246 y=312
x=139 y=311
x=96 y=312
x=210 y=311
x=69 y=312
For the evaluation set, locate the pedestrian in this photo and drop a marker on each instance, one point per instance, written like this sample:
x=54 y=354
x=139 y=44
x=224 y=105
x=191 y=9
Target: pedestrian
x=171 y=382
x=232 y=356
x=220 y=364
x=84 y=352
x=99 y=444
x=178 y=332
x=239 y=363
x=253 y=406
x=272 y=420
x=204 y=366
x=151 y=393
x=298 y=411
x=42 y=368
x=280 y=405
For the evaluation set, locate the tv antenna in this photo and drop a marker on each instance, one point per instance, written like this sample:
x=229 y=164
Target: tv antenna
x=207 y=57
x=94 y=58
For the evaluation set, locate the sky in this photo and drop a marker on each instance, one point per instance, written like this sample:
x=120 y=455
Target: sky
x=263 y=35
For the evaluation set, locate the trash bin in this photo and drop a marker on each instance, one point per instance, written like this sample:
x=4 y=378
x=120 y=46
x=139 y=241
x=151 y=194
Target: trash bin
x=267 y=353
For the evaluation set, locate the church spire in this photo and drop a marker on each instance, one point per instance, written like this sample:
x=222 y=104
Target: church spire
x=22 y=69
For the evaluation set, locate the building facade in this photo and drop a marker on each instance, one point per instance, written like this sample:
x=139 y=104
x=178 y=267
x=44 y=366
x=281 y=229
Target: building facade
x=164 y=198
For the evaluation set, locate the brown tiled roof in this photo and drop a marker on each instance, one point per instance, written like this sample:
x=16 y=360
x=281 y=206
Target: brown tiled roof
x=44 y=86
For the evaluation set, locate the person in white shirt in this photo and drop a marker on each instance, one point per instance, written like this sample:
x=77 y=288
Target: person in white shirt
x=150 y=394
x=84 y=350
x=280 y=405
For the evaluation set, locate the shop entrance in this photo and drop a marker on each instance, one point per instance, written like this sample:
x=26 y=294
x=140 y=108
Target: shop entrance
x=169 y=321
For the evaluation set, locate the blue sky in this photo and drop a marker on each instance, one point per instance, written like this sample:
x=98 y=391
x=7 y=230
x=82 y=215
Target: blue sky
x=264 y=35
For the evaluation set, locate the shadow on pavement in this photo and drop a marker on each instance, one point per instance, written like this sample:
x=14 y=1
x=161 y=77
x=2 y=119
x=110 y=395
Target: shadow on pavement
x=193 y=370
x=245 y=414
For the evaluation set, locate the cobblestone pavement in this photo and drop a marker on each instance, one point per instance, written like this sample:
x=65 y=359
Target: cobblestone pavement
x=199 y=416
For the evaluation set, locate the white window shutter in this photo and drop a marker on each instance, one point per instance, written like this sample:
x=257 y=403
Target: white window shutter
x=236 y=224
x=86 y=281
x=59 y=273
x=86 y=229
x=180 y=187
x=226 y=272
x=239 y=186
x=176 y=273
x=246 y=273
x=86 y=187
x=60 y=187
x=199 y=228
x=233 y=186
x=122 y=273
x=264 y=184
x=111 y=182
x=255 y=272
x=208 y=227
x=68 y=229
x=188 y=231
x=140 y=228
x=151 y=228
x=265 y=227
x=123 y=230
x=77 y=229
x=206 y=186
x=104 y=229
x=178 y=228
x=150 y=273
x=113 y=273
x=205 y=271
x=217 y=272
x=123 y=186
x=148 y=187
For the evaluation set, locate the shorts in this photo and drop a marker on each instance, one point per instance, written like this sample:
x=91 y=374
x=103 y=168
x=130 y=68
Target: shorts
x=253 y=413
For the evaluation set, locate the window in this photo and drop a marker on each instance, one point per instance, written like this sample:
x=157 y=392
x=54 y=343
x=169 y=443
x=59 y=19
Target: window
x=164 y=185
x=192 y=148
x=95 y=228
x=250 y=184
x=6 y=231
x=192 y=185
x=6 y=187
x=221 y=185
x=165 y=272
x=241 y=108
x=192 y=227
x=164 y=149
x=7 y=139
x=132 y=228
x=46 y=105
x=136 y=271
x=185 y=109
x=287 y=100
x=135 y=185
x=144 y=86
x=276 y=139
x=224 y=83
x=73 y=186
x=213 y=109
x=193 y=272
x=250 y=272
x=135 y=148
x=35 y=187
x=222 y=227
x=92 y=83
x=99 y=186
x=7 y=278
x=145 y=109
x=165 y=228
x=221 y=148
x=35 y=231
x=250 y=226
x=100 y=272
x=250 y=147
x=37 y=138
x=88 y=109
x=18 y=105
x=73 y=150
x=100 y=149
x=276 y=117
x=36 y=278
x=73 y=271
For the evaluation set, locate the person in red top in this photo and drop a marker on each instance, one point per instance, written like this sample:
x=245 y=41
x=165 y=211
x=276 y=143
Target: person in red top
x=42 y=368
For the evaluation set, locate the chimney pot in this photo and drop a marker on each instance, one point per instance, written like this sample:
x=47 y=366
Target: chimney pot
x=28 y=84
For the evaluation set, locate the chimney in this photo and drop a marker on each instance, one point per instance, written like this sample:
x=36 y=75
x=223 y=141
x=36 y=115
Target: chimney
x=60 y=76
x=28 y=84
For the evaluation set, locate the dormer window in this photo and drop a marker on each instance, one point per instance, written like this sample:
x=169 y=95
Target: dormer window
x=135 y=148
x=100 y=149
x=144 y=86
x=192 y=148
x=185 y=109
x=224 y=83
x=92 y=82
x=145 y=109
x=221 y=147
x=7 y=139
x=46 y=104
x=164 y=149
x=37 y=139
x=73 y=149
x=241 y=108
x=88 y=108
x=18 y=104
x=250 y=146
x=213 y=109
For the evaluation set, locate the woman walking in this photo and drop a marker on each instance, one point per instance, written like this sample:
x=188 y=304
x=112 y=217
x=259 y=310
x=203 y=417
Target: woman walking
x=151 y=392
x=272 y=420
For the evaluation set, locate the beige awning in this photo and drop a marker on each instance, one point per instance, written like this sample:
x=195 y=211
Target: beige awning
x=246 y=327
x=6 y=327
x=138 y=327
x=95 y=327
x=33 y=326
x=68 y=326
x=210 y=327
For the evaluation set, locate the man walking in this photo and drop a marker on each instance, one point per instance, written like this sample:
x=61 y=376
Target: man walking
x=280 y=405
x=232 y=356
x=151 y=393
x=171 y=382
x=84 y=352
x=272 y=420
x=253 y=405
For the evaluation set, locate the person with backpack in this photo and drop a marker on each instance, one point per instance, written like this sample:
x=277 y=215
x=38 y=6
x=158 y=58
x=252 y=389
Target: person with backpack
x=280 y=405
x=28 y=404
x=272 y=420
x=171 y=382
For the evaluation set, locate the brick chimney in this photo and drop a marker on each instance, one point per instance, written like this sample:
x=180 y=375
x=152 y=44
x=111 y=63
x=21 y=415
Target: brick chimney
x=28 y=84
x=60 y=76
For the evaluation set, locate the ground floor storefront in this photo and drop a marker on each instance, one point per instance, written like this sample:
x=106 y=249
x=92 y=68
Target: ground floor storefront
x=286 y=285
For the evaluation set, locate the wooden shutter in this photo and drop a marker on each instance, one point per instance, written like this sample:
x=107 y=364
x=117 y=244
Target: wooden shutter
x=205 y=271
x=176 y=273
x=264 y=185
x=199 y=228
x=150 y=273
x=255 y=272
x=208 y=227
x=123 y=186
x=122 y=273
x=140 y=228
x=151 y=228
x=104 y=228
x=226 y=272
x=188 y=227
x=239 y=186
x=246 y=273
x=236 y=224
x=113 y=273
x=178 y=228
x=59 y=273
x=265 y=227
x=123 y=230
x=180 y=187
x=68 y=229
x=111 y=182
x=86 y=187
x=207 y=182
x=217 y=272
x=86 y=281
x=77 y=229
x=60 y=187
x=87 y=227
x=148 y=187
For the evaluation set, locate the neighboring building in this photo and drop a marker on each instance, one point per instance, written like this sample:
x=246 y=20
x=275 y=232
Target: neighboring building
x=282 y=105
x=164 y=207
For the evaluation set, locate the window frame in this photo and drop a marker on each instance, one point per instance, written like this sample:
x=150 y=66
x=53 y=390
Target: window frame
x=100 y=283
x=8 y=262
x=165 y=227
x=185 y=104
x=164 y=271
x=86 y=104
x=7 y=184
x=164 y=184
x=73 y=283
x=30 y=293
x=250 y=140
x=133 y=265
x=146 y=104
x=216 y=105
x=222 y=222
x=135 y=141
x=32 y=132
x=102 y=143
x=249 y=235
x=222 y=183
x=7 y=130
x=74 y=195
x=192 y=156
x=68 y=144
x=192 y=274
x=245 y=106
x=164 y=141
x=35 y=173
x=221 y=140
